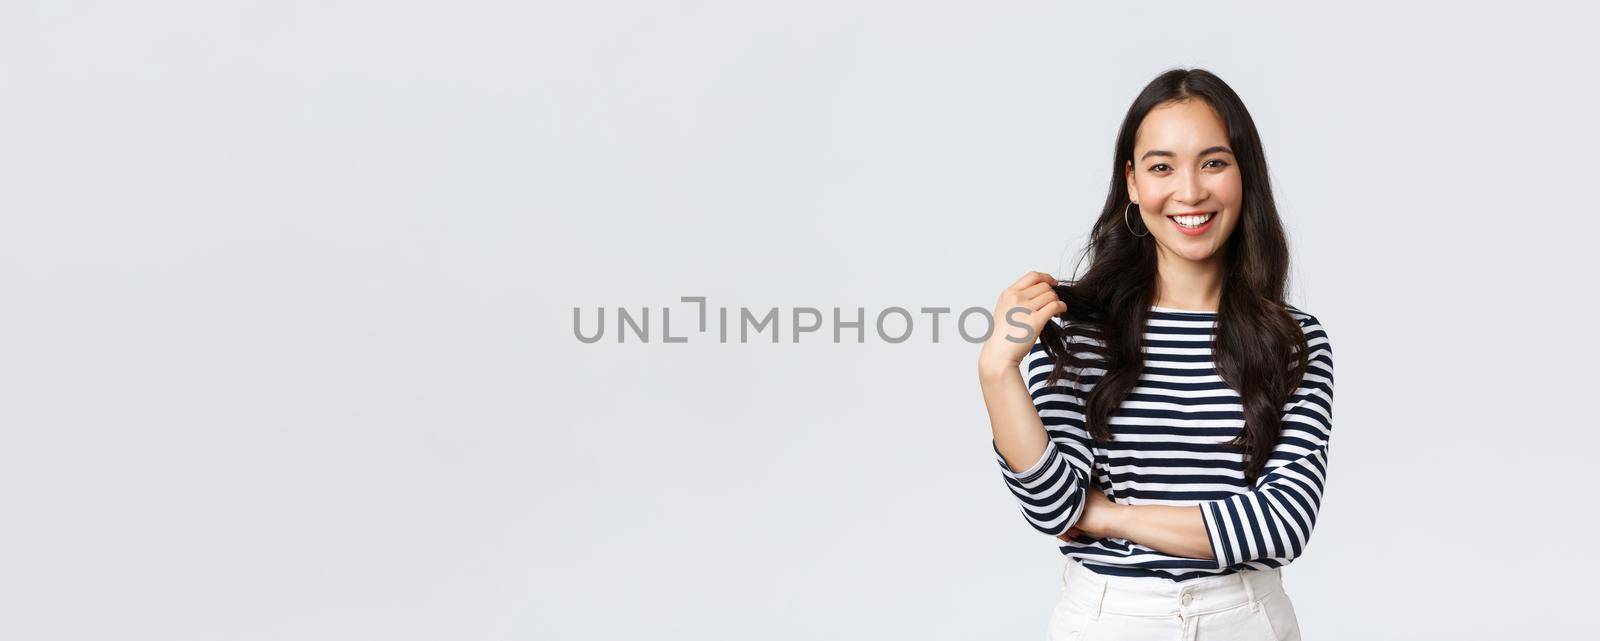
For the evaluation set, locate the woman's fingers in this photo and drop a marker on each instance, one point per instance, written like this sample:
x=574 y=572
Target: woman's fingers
x=1031 y=278
x=1026 y=305
x=1039 y=301
x=1036 y=289
x=1043 y=314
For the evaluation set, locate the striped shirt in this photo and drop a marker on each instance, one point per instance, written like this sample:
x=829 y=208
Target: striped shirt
x=1169 y=450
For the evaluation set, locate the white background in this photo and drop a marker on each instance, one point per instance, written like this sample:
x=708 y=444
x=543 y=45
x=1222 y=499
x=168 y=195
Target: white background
x=288 y=292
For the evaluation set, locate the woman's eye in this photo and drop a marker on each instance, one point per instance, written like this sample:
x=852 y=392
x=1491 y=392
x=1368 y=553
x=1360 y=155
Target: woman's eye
x=1158 y=167
x=1220 y=163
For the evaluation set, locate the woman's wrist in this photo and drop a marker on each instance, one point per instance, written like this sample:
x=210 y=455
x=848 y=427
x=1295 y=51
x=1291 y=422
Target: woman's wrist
x=1116 y=520
x=990 y=372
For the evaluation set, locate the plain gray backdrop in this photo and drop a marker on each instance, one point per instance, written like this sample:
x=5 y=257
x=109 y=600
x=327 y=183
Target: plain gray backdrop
x=288 y=293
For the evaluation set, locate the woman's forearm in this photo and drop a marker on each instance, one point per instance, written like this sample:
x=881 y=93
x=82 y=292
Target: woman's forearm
x=1018 y=431
x=1178 y=530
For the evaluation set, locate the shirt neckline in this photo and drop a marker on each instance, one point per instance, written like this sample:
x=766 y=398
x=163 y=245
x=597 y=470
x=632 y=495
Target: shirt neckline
x=1173 y=310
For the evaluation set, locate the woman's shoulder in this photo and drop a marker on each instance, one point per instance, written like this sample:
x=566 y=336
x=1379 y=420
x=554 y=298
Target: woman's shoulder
x=1315 y=332
x=1300 y=315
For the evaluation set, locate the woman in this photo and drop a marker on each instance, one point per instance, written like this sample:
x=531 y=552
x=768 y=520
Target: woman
x=1171 y=425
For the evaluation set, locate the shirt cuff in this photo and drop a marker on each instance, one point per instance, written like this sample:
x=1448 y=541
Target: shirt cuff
x=1034 y=471
x=1217 y=533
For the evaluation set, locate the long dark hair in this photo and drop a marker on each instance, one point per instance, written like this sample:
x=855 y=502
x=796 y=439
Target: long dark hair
x=1256 y=339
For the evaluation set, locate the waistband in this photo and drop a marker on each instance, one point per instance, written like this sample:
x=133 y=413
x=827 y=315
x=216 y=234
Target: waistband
x=1155 y=596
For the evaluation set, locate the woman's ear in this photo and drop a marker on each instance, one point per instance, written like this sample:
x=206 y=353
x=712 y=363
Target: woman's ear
x=1133 y=190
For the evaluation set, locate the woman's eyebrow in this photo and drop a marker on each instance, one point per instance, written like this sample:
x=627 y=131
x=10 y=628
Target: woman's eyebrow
x=1162 y=152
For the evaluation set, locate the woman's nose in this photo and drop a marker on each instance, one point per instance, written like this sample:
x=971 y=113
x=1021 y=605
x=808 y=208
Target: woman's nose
x=1190 y=190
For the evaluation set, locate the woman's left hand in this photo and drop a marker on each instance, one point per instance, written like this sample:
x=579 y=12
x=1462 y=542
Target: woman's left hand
x=1098 y=518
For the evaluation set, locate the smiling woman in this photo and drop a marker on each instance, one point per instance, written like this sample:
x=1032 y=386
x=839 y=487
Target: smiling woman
x=1170 y=421
x=1185 y=174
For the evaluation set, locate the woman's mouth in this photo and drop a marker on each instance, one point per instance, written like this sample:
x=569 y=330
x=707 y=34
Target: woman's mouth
x=1193 y=224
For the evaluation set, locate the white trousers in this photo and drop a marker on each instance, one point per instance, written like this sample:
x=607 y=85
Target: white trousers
x=1243 y=606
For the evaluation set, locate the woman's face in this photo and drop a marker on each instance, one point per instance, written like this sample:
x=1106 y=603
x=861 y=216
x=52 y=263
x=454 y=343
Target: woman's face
x=1182 y=164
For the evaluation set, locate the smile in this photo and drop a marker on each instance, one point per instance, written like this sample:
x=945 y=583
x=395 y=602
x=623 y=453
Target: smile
x=1193 y=224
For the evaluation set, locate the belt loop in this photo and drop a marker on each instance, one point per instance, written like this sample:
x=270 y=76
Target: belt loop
x=1249 y=589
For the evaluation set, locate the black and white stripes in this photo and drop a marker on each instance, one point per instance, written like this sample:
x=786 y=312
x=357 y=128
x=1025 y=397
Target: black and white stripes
x=1169 y=450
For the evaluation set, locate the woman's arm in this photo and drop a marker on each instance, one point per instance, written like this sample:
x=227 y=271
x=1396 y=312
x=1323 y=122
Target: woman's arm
x=1178 y=530
x=1048 y=482
x=1019 y=435
x=1049 y=486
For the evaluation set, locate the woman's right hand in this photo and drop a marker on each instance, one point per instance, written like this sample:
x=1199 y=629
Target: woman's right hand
x=1006 y=347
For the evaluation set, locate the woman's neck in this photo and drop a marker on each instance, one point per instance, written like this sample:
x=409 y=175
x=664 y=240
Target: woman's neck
x=1187 y=284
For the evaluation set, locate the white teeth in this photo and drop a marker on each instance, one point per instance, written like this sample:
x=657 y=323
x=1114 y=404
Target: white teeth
x=1192 y=221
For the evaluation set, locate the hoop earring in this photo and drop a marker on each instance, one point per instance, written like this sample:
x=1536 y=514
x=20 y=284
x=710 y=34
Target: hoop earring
x=1130 y=226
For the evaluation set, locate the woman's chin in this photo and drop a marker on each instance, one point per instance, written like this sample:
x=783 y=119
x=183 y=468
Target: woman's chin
x=1197 y=252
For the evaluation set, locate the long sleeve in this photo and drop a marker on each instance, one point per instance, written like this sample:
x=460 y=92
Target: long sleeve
x=1053 y=491
x=1274 y=519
